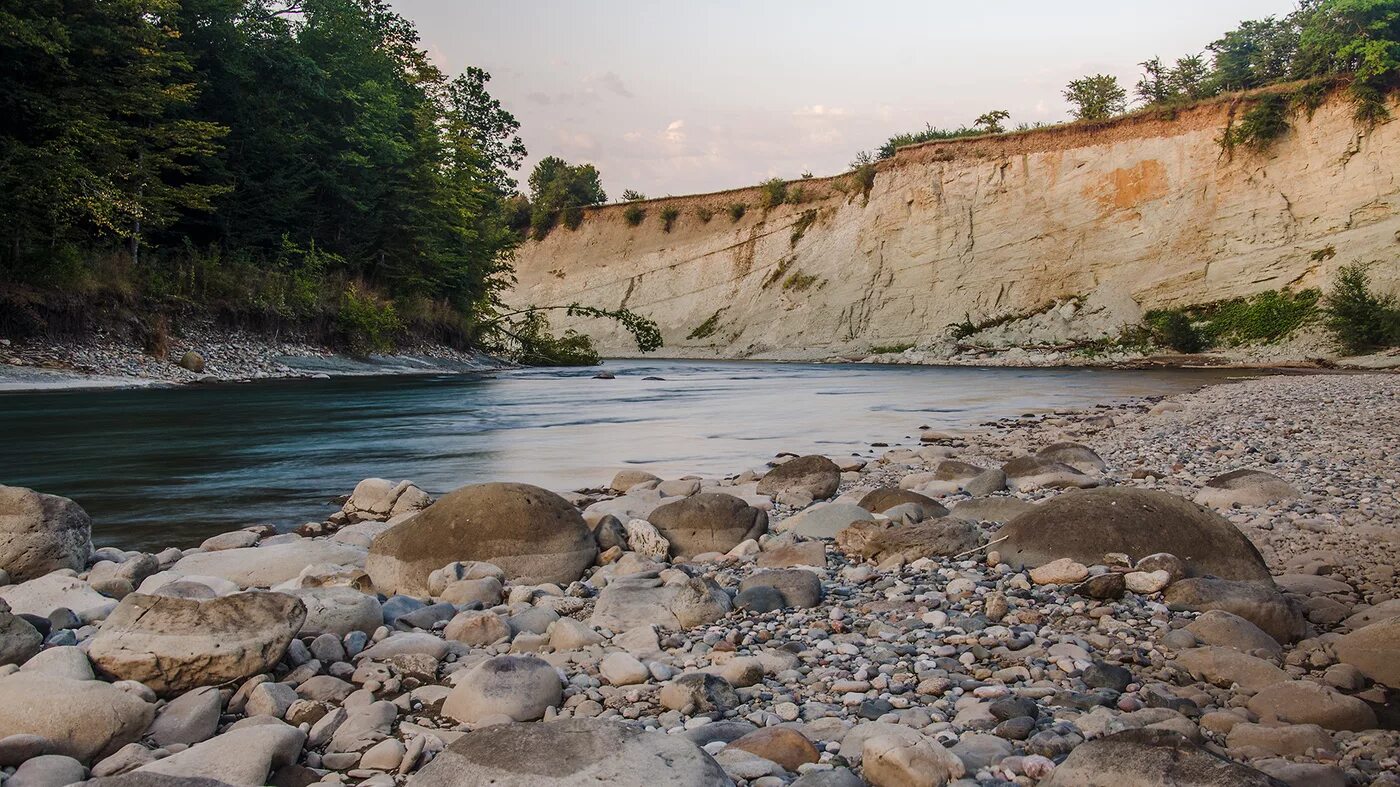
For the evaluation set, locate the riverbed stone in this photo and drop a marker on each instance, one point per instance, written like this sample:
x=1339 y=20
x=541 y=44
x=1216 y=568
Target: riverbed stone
x=813 y=475
x=1218 y=627
x=242 y=756
x=173 y=645
x=824 y=520
x=1151 y=758
x=645 y=599
x=783 y=745
x=1029 y=473
x=1375 y=650
x=878 y=501
x=44 y=595
x=799 y=587
x=532 y=534
x=41 y=533
x=1085 y=524
x=521 y=687
x=1258 y=603
x=900 y=761
x=932 y=538
x=1077 y=455
x=1305 y=702
x=83 y=719
x=708 y=522
x=19 y=640
x=698 y=692
x=1245 y=487
x=570 y=752
x=48 y=770
x=1224 y=667
x=189 y=718
x=338 y=610
x=265 y=566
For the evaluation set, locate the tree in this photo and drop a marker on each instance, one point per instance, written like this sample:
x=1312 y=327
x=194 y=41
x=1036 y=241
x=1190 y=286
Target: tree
x=1189 y=78
x=1255 y=53
x=1096 y=97
x=629 y=195
x=1359 y=37
x=991 y=121
x=556 y=187
x=1156 y=85
x=491 y=129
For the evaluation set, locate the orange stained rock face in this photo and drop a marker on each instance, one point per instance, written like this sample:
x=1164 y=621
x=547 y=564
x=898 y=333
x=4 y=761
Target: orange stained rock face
x=1128 y=187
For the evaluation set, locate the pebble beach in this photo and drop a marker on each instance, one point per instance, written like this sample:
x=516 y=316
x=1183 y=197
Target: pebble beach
x=1196 y=590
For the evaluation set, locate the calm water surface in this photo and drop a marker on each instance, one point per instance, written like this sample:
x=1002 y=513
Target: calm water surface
x=171 y=466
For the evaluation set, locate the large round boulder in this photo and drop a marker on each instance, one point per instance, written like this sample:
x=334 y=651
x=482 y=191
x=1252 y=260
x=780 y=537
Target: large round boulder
x=708 y=522
x=338 y=610
x=1375 y=650
x=82 y=719
x=1151 y=758
x=521 y=687
x=878 y=501
x=41 y=533
x=815 y=476
x=534 y=535
x=645 y=599
x=1245 y=488
x=176 y=644
x=1084 y=525
x=570 y=752
x=1256 y=602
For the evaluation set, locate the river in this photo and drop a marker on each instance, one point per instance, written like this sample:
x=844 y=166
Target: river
x=159 y=467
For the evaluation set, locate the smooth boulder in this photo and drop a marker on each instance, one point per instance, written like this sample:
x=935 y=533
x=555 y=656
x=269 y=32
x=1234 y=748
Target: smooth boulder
x=878 y=501
x=532 y=534
x=521 y=687
x=1151 y=758
x=645 y=599
x=570 y=752
x=265 y=566
x=1375 y=650
x=1256 y=602
x=1245 y=488
x=1083 y=525
x=814 y=476
x=174 y=644
x=19 y=640
x=708 y=522
x=41 y=533
x=933 y=538
x=83 y=719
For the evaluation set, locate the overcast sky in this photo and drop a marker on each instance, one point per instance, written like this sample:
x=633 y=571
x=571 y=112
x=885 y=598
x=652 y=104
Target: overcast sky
x=676 y=98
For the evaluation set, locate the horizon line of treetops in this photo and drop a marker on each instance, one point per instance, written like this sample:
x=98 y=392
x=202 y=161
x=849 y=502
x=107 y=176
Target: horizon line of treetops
x=303 y=163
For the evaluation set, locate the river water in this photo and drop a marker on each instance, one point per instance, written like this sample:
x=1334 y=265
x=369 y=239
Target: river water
x=170 y=466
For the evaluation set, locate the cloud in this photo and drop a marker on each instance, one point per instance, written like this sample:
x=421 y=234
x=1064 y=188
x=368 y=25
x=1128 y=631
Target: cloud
x=819 y=111
x=675 y=132
x=613 y=84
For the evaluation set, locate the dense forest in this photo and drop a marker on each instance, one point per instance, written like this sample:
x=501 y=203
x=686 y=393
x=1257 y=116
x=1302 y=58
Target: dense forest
x=298 y=163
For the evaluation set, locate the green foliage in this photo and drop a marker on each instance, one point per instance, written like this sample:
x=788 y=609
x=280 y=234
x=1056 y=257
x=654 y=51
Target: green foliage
x=704 y=213
x=1356 y=37
x=204 y=138
x=991 y=122
x=799 y=227
x=559 y=189
x=736 y=210
x=863 y=177
x=772 y=193
x=779 y=271
x=1361 y=321
x=1264 y=318
x=1323 y=254
x=366 y=322
x=929 y=134
x=797 y=195
x=1096 y=97
x=630 y=195
x=634 y=214
x=669 y=214
x=707 y=328
x=891 y=349
x=1263 y=124
x=799 y=281
x=535 y=345
x=1173 y=329
x=524 y=336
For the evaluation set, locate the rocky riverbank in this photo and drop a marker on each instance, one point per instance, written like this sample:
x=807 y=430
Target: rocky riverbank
x=1039 y=600
x=204 y=354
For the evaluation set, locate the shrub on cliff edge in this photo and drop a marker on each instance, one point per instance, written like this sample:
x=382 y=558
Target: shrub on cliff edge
x=1361 y=321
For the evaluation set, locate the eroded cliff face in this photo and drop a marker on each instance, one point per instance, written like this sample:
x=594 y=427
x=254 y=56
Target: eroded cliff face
x=1137 y=213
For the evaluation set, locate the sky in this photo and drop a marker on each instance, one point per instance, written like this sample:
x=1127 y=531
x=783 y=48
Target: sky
x=680 y=98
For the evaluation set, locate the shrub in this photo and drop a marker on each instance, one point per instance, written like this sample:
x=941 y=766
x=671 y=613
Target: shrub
x=669 y=214
x=573 y=216
x=705 y=213
x=1173 y=329
x=1361 y=321
x=797 y=195
x=890 y=349
x=778 y=272
x=799 y=281
x=1263 y=124
x=707 y=328
x=366 y=323
x=737 y=210
x=799 y=228
x=863 y=177
x=772 y=193
x=634 y=214
x=1266 y=317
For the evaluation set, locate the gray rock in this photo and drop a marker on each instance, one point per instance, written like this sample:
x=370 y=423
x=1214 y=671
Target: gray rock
x=798 y=587
x=699 y=692
x=64 y=662
x=173 y=645
x=1083 y=525
x=644 y=600
x=190 y=718
x=567 y=753
x=41 y=533
x=1151 y=758
x=338 y=611
x=243 y=756
x=83 y=719
x=265 y=566
x=19 y=640
x=813 y=475
x=1375 y=650
x=48 y=770
x=1258 y=603
x=1245 y=488
x=521 y=687
x=824 y=520
x=534 y=535
x=708 y=522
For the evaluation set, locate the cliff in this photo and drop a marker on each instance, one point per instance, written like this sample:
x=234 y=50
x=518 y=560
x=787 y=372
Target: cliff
x=1140 y=212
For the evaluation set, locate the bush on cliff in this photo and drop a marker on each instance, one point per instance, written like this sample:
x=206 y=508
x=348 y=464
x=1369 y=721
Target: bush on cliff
x=1361 y=321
